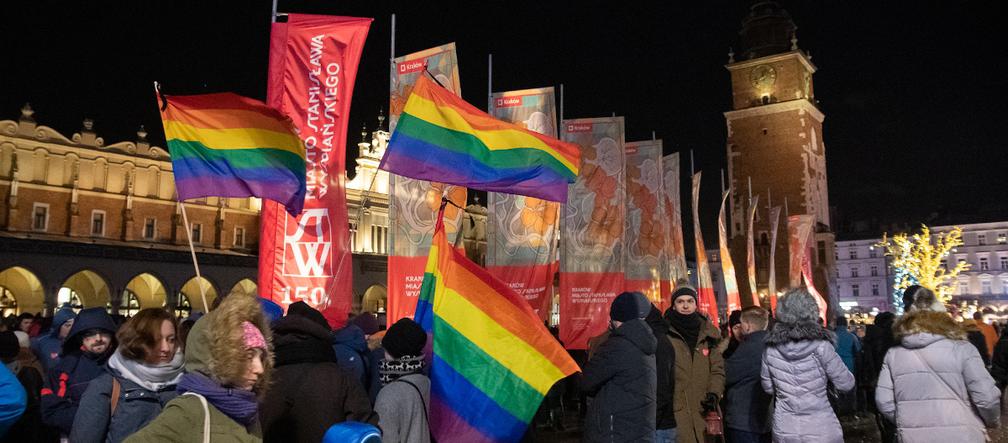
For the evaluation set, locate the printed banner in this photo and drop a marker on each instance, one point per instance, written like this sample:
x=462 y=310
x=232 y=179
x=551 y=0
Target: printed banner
x=772 y=278
x=312 y=67
x=414 y=204
x=676 y=249
x=800 y=231
x=646 y=226
x=732 y=298
x=591 y=255
x=522 y=231
x=751 y=252
x=705 y=286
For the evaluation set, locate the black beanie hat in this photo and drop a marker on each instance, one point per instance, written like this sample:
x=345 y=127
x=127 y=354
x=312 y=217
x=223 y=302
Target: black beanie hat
x=404 y=337
x=305 y=310
x=9 y=346
x=735 y=318
x=684 y=290
x=628 y=306
x=908 y=296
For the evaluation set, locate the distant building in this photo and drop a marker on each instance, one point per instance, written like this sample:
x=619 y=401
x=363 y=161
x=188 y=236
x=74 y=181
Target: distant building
x=985 y=248
x=864 y=281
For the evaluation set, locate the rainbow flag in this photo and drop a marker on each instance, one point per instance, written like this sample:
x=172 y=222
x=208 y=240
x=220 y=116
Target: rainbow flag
x=226 y=145
x=493 y=361
x=442 y=138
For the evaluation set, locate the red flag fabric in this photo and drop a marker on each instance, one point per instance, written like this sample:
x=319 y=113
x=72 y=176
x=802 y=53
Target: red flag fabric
x=705 y=286
x=312 y=67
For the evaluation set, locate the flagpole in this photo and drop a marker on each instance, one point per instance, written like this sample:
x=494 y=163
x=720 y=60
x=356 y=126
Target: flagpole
x=274 y=16
x=489 y=82
x=653 y=135
x=691 y=170
x=192 y=250
x=561 y=102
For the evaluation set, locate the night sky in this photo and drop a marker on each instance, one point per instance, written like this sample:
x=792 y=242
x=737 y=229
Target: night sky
x=913 y=95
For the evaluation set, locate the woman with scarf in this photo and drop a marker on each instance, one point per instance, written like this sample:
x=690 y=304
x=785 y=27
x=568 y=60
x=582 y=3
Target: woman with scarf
x=141 y=379
x=404 y=399
x=228 y=361
x=699 y=367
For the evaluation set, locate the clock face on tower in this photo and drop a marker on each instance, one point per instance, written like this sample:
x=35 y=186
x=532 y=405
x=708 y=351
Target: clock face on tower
x=763 y=76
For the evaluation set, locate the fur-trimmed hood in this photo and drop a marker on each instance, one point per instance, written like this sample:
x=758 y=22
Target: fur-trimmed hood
x=782 y=333
x=927 y=322
x=215 y=347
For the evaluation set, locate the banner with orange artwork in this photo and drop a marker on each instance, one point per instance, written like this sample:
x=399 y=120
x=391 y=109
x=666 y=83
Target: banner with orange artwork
x=732 y=298
x=800 y=232
x=675 y=248
x=772 y=277
x=751 y=252
x=705 y=286
x=414 y=204
x=646 y=222
x=591 y=252
x=522 y=231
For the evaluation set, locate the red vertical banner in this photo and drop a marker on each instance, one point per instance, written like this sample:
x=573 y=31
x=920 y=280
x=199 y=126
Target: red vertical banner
x=414 y=204
x=312 y=67
x=705 y=286
x=772 y=277
x=522 y=231
x=734 y=303
x=591 y=252
x=646 y=226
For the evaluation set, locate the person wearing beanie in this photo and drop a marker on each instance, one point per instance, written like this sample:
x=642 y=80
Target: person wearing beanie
x=403 y=403
x=47 y=346
x=621 y=377
x=310 y=391
x=727 y=347
x=935 y=379
x=86 y=350
x=699 y=367
x=228 y=363
x=797 y=367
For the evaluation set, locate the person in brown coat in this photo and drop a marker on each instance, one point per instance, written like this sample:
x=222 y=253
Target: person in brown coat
x=699 y=368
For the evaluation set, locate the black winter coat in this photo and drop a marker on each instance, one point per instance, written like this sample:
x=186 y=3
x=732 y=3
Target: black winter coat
x=309 y=391
x=999 y=362
x=747 y=406
x=665 y=366
x=621 y=377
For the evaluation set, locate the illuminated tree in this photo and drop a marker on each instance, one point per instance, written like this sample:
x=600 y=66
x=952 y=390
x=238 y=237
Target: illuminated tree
x=917 y=259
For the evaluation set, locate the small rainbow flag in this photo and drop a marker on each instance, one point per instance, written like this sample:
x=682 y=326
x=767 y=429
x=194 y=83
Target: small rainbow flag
x=493 y=361
x=226 y=145
x=441 y=138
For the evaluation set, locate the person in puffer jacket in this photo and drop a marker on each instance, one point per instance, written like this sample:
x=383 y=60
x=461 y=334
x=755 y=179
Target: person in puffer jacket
x=797 y=366
x=934 y=385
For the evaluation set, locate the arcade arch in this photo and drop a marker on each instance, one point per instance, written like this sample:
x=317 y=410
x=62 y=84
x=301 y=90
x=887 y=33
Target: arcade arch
x=191 y=289
x=375 y=299
x=149 y=291
x=89 y=288
x=245 y=287
x=20 y=291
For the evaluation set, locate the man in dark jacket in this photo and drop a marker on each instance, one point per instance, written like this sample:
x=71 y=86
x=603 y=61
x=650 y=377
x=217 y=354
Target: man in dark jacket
x=747 y=407
x=309 y=392
x=47 y=346
x=86 y=350
x=665 y=424
x=621 y=376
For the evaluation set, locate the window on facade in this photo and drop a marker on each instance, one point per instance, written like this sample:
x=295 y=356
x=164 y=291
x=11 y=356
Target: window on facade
x=853 y=254
x=854 y=272
x=944 y=264
x=98 y=223
x=1002 y=238
x=197 y=232
x=183 y=307
x=855 y=290
x=963 y=288
x=981 y=239
x=40 y=216
x=962 y=260
x=986 y=287
x=130 y=305
x=239 y=237
x=1004 y=263
x=872 y=252
x=8 y=305
x=983 y=263
x=379 y=239
x=874 y=289
x=874 y=271
x=150 y=228
x=353 y=237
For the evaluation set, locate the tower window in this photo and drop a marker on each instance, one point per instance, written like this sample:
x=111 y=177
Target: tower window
x=765 y=99
x=764 y=131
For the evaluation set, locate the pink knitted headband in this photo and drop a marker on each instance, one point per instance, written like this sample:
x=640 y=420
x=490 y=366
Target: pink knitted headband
x=252 y=337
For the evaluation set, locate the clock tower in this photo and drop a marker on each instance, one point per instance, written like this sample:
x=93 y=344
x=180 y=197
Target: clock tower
x=775 y=144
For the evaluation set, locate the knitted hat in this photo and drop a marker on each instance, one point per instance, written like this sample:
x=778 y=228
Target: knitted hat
x=797 y=306
x=908 y=296
x=404 y=337
x=925 y=300
x=735 y=318
x=628 y=306
x=684 y=291
x=305 y=310
x=252 y=336
x=367 y=322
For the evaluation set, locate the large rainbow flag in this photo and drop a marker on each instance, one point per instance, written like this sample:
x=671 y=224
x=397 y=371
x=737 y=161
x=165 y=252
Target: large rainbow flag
x=493 y=361
x=226 y=145
x=442 y=138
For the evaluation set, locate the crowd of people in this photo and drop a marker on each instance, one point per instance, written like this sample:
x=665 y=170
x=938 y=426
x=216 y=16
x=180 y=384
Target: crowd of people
x=246 y=372
x=243 y=372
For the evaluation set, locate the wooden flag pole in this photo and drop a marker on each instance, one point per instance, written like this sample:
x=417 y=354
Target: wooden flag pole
x=192 y=250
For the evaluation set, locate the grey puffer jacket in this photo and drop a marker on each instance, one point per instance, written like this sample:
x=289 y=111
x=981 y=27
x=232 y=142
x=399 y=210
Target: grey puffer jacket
x=934 y=386
x=798 y=363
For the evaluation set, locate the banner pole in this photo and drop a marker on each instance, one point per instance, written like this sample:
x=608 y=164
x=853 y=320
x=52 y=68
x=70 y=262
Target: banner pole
x=691 y=170
x=489 y=82
x=192 y=250
x=653 y=135
x=561 y=102
x=274 y=16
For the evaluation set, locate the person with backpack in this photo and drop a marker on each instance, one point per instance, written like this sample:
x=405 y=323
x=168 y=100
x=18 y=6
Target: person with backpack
x=141 y=379
x=310 y=391
x=404 y=400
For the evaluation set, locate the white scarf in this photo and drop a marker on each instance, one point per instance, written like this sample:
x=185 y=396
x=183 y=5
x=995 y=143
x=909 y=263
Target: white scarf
x=151 y=377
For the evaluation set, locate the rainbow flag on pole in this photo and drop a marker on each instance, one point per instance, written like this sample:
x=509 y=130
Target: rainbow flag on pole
x=226 y=145
x=493 y=361
x=442 y=138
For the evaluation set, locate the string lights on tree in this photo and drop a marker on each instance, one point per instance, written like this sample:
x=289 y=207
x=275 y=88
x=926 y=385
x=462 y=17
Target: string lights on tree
x=917 y=259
